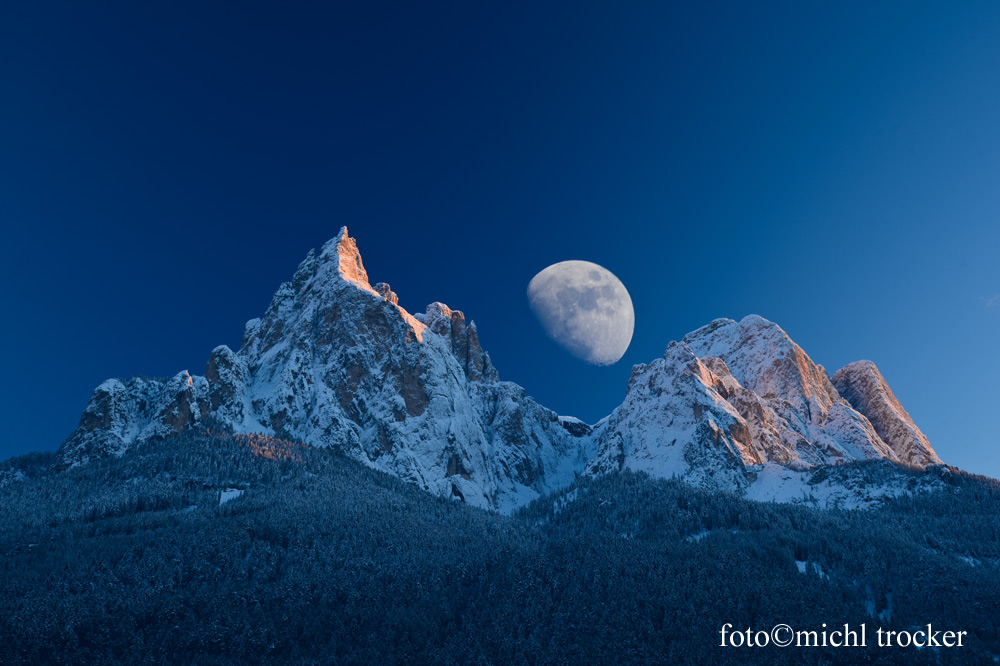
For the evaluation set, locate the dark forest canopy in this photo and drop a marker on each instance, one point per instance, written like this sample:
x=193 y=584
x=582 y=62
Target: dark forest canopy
x=133 y=560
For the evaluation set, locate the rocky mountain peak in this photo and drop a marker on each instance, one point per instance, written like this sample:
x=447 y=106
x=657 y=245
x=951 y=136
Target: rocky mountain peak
x=338 y=363
x=728 y=398
x=343 y=251
x=464 y=340
x=864 y=387
x=387 y=293
x=764 y=359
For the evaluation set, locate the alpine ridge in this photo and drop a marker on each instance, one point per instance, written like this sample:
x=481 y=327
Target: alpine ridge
x=337 y=362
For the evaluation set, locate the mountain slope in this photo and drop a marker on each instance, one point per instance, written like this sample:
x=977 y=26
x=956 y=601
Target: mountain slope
x=864 y=387
x=132 y=559
x=732 y=401
x=336 y=362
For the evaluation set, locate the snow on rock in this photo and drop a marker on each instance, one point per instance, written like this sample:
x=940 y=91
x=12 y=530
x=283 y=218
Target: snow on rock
x=730 y=406
x=675 y=422
x=812 y=422
x=338 y=363
x=864 y=387
x=122 y=412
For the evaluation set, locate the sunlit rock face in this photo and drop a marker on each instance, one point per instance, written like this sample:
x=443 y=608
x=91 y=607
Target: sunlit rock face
x=728 y=399
x=675 y=422
x=862 y=385
x=338 y=363
x=335 y=362
x=811 y=422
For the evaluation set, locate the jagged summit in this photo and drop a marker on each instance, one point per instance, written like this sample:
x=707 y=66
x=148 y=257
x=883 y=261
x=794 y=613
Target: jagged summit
x=343 y=251
x=811 y=421
x=766 y=360
x=864 y=387
x=336 y=362
x=728 y=399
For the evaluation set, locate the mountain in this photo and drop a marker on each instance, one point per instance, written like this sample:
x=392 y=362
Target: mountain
x=864 y=387
x=739 y=404
x=336 y=362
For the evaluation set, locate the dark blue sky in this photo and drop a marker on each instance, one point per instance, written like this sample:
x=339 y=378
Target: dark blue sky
x=165 y=166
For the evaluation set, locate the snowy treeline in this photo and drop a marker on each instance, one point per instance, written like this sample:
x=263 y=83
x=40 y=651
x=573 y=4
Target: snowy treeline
x=132 y=560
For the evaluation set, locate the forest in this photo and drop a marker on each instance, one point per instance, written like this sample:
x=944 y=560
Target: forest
x=320 y=560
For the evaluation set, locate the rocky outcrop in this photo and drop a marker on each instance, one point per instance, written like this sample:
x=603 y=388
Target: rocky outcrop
x=123 y=411
x=450 y=325
x=338 y=363
x=798 y=412
x=675 y=422
x=864 y=387
x=728 y=399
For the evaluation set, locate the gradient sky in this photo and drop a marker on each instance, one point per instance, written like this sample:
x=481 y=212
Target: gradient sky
x=164 y=166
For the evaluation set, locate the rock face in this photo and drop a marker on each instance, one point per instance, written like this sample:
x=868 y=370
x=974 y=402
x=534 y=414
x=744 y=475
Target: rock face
x=794 y=410
x=336 y=362
x=123 y=411
x=865 y=388
x=733 y=396
x=676 y=421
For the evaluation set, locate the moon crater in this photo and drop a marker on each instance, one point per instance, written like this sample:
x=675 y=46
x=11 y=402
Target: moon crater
x=584 y=308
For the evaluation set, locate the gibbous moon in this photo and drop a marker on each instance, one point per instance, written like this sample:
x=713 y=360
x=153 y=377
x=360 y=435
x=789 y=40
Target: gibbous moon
x=584 y=308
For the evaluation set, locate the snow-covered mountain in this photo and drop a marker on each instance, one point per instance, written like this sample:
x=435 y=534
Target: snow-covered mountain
x=734 y=396
x=864 y=387
x=336 y=362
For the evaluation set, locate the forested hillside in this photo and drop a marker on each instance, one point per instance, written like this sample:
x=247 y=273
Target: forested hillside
x=133 y=560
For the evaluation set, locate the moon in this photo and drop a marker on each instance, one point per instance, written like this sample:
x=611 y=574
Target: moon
x=584 y=308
